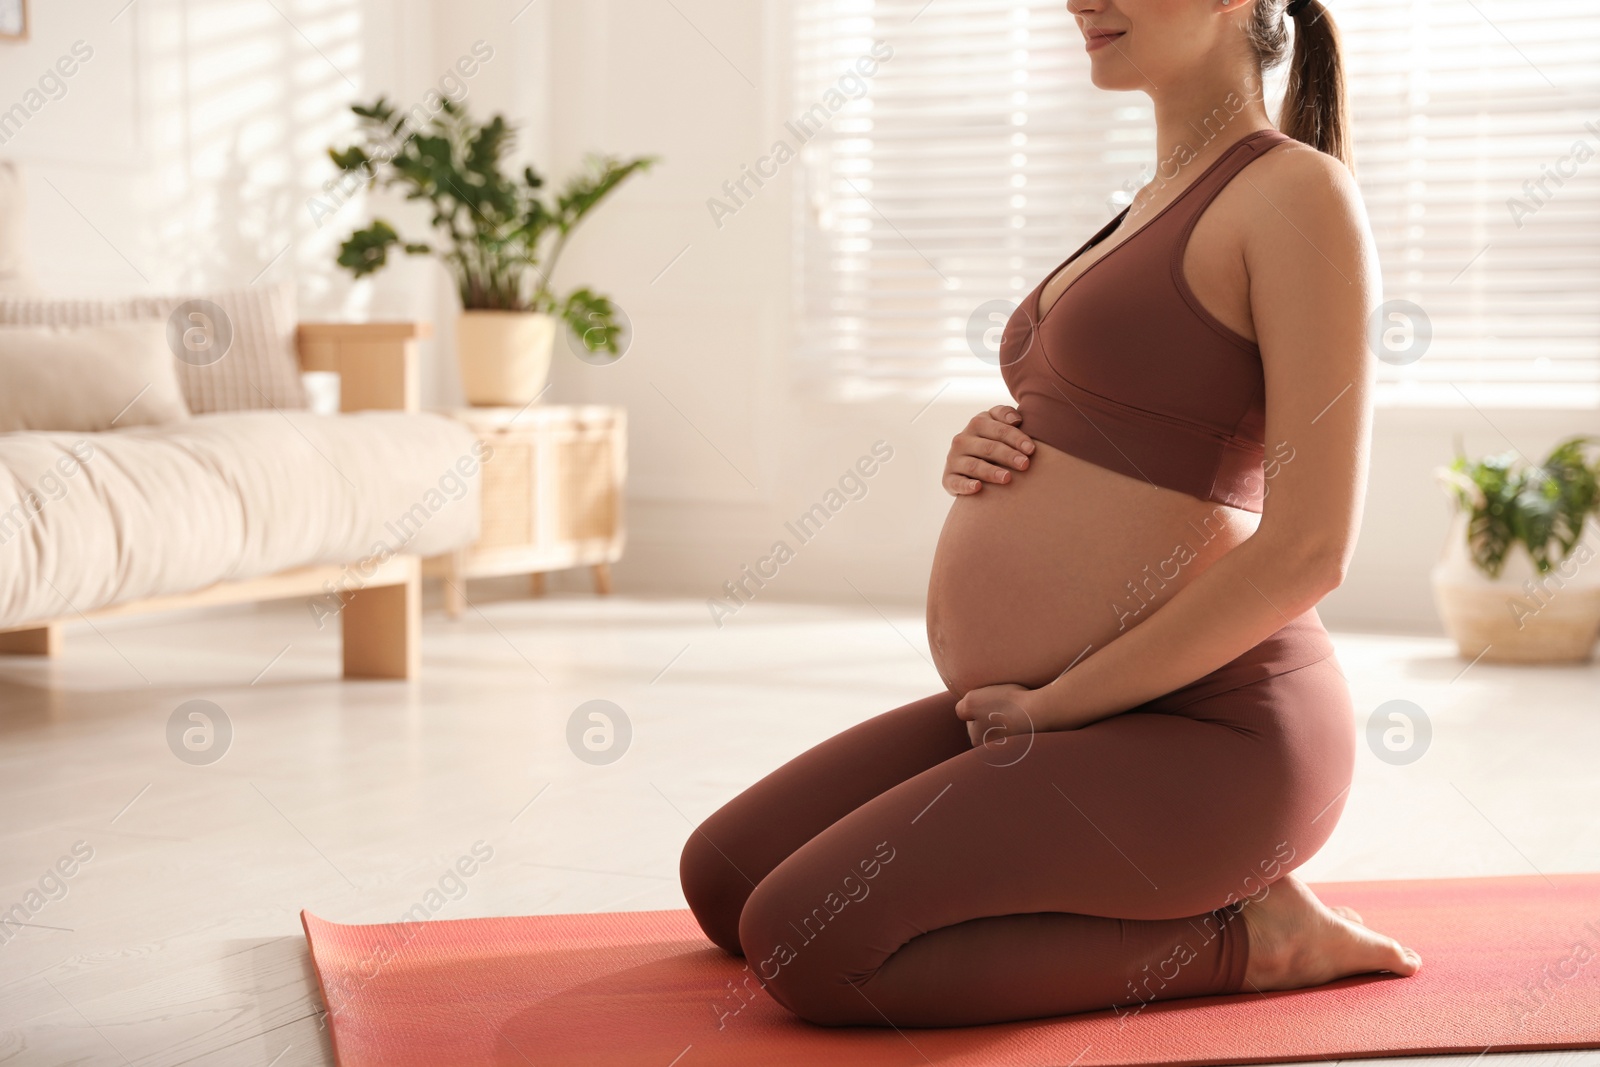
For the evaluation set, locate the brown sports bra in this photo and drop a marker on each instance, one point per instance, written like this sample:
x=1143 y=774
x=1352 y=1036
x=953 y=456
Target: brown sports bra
x=1128 y=371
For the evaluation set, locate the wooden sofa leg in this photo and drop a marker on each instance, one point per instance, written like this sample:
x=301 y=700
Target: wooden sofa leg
x=41 y=641
x=455 y=593
x=383 y=630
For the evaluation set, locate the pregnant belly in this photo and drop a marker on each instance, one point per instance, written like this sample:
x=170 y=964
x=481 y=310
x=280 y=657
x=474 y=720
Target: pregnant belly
x=1029 y=577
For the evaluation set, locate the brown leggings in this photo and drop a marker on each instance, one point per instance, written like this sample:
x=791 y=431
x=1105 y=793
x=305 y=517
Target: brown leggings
x=896 y=875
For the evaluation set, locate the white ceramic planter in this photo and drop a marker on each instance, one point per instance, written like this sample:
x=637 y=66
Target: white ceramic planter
x=1521 y=616
x=504 y=356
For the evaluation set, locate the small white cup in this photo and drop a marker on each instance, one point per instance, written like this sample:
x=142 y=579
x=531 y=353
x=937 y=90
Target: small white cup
x=322 y=391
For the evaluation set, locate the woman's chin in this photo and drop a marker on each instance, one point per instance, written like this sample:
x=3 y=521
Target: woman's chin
x=1115 y=74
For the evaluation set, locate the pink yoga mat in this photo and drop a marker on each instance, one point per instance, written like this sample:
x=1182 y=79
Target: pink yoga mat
x=1509 y=964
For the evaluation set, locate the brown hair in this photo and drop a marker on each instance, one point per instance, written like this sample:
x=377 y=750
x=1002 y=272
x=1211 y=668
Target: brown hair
x=1315 y=108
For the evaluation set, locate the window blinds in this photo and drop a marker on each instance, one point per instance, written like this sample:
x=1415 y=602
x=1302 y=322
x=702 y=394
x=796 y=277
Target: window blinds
x=978 y=156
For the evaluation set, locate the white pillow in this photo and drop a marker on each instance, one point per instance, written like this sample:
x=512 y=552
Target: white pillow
x=88 y=378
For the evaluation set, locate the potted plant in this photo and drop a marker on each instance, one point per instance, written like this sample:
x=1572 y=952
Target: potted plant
x=491 y=231
x=1518 y=580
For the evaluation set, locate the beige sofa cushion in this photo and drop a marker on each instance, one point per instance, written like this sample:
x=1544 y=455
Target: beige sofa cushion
x=259 y=369
x=89 y=520
x=87 y=378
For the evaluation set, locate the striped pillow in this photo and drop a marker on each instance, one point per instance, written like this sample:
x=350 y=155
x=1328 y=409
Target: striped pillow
x=259 y=369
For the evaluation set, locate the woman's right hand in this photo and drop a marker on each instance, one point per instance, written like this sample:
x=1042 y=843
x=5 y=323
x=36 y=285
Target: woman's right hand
x=988 y=449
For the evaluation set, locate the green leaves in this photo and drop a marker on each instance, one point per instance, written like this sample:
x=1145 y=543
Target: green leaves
x=379 y=111
x=592 y=319
x=586 y=191
x=367 y=251
x=353 y=158
x=1542 y=508
x=491 y=227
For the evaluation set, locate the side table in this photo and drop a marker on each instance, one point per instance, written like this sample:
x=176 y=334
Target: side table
x=552 y=490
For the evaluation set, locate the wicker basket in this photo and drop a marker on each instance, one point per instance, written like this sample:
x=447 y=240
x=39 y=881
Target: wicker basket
x=1507 y=626
x=1520 y=617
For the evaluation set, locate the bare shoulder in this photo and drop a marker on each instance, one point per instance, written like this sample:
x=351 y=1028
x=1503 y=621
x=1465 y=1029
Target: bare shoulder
x=1302 y=186
x=1304 y=199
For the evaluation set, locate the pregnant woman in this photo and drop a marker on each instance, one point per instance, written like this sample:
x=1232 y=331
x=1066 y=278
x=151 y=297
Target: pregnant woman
x=1145 y=729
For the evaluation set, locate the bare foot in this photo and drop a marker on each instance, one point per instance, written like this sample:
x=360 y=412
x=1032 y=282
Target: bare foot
x=1348 y=913
x=1298 y=941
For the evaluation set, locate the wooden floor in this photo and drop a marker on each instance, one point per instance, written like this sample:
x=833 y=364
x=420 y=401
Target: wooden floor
x=179 y=942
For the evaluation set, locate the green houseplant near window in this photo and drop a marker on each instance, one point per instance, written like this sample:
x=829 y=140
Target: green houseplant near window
x=1519 y=581
x=497 y=234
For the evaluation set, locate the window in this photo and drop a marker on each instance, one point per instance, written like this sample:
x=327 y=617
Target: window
x=937 y=191
x=1477 y=131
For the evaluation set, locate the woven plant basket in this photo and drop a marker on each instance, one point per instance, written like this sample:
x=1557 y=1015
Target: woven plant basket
x=1521 y=616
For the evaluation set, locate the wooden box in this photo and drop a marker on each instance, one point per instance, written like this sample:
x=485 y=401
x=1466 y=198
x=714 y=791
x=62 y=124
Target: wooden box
x=552 y=488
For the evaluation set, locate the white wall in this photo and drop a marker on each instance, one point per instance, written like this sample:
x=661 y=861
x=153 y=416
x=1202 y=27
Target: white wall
x=184 y=153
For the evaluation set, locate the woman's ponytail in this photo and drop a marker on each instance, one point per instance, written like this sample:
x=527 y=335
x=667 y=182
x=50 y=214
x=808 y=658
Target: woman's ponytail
x=1315 y=107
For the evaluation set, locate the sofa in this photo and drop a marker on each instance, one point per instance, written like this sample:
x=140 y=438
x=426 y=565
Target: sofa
x=215 y=484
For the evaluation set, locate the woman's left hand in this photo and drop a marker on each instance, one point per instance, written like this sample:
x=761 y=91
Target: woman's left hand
x=996 y=712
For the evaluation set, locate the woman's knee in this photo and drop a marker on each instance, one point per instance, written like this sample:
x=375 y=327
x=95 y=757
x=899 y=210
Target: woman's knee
x=715 y=889
x=797 y=961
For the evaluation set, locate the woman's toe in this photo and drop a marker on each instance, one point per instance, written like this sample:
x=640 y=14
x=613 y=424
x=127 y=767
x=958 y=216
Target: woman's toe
x=1379 y=953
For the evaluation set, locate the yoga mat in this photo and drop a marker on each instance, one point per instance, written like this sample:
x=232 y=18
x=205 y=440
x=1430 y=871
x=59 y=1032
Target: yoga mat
x=1508 y=964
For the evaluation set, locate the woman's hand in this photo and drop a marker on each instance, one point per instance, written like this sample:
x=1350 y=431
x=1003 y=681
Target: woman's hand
x=997 y=712
x=987 y=450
